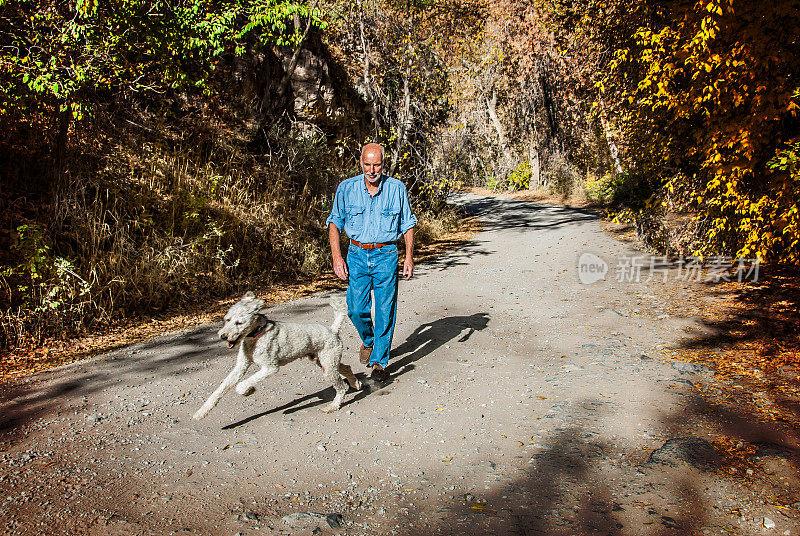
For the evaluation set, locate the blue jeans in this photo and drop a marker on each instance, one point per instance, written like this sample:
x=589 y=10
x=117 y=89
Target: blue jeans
x=373 y=270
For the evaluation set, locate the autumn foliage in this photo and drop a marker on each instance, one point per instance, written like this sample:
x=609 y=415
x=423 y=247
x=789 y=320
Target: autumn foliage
x=706 y=96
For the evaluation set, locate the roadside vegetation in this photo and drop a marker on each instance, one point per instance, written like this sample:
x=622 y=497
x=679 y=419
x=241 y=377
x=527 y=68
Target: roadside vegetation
x=159 y=155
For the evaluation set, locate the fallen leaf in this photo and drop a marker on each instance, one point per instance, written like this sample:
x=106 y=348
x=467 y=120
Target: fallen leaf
x=481 y=507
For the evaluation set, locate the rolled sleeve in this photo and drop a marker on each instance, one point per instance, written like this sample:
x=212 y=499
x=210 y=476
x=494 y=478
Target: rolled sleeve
x=407 y=218
x=337 y=212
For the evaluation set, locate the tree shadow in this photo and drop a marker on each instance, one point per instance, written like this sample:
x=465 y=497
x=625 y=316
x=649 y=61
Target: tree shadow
x=575 y=483
x=505 y=214
x=761 y=332
x=455 y=257
x=45 y=394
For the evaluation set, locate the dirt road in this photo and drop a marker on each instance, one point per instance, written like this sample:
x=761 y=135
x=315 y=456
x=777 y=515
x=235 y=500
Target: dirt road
x=522 y=401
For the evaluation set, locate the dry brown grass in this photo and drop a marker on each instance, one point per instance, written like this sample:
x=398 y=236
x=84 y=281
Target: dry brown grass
x=160 y=217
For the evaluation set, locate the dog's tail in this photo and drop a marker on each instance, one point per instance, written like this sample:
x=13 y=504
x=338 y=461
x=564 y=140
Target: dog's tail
x=340 y=312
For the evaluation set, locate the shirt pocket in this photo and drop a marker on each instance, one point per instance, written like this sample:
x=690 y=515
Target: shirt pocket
x=390 y=219
x=354 y=219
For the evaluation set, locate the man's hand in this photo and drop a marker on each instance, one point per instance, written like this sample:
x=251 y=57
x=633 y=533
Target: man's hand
x=408 y=264
x=408 y=268
x=340 y=268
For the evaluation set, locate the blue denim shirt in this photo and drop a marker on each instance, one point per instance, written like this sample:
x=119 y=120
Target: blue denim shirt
x=383 y=217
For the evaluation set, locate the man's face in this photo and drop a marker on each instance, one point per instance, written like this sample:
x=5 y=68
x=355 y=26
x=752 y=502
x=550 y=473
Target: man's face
x=372 y=164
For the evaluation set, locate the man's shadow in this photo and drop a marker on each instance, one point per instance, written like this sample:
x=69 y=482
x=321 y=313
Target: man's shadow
x=429 y=337
x=422 y=342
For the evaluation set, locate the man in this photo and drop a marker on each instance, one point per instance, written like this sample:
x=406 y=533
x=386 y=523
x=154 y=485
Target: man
x=374 y=211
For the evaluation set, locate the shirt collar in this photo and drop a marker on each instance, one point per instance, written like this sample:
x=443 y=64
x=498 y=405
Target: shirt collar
x=380 y=183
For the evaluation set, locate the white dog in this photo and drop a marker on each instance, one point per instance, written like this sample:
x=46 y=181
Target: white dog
x=270 y=344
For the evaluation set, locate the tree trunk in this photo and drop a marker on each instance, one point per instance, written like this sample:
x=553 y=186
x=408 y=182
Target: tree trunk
x=404 y=120
x=58 y=185
x=491 y=105
x=368 y=90
x=612 y=148
x=287 y=76
x=60 y=148
x=534 y=162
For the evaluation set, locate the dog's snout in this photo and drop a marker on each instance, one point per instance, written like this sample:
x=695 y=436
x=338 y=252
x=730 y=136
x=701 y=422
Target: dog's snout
x=223 y=336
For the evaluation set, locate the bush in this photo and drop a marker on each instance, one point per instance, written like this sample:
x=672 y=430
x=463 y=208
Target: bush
x=560 y=176
x=619 y=189
x=520 y=178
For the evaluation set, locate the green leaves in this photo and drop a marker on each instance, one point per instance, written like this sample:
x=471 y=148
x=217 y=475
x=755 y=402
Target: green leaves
x=58 y=52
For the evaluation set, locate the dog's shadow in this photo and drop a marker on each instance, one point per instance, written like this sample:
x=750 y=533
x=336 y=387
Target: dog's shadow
x=422 y=342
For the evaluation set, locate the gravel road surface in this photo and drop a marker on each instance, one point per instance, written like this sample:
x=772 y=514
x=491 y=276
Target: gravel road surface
x=522 y=401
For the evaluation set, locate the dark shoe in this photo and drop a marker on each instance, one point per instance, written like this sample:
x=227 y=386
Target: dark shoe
x=364 y=353
x=379 y=374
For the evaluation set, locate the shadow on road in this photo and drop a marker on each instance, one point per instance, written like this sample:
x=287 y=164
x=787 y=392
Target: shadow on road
x=572 y=483
x=499 y=213
x=181 y=355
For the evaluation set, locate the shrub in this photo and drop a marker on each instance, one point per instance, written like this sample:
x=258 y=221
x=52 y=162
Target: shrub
x=520 y=178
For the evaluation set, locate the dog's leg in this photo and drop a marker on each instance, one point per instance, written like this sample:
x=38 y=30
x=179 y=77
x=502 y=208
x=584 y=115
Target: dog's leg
x=329 y=361
x=347 y=373
x=242 y=363
x=247 y=386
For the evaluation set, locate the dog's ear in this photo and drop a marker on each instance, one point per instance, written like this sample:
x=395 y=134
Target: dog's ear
x=248 y=295
x=267 y=323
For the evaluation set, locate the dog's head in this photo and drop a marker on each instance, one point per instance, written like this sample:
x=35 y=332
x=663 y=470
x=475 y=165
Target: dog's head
x=245 y=318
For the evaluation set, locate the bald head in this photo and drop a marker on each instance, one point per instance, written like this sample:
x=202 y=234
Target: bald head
x=373 y=149
x=372 y=162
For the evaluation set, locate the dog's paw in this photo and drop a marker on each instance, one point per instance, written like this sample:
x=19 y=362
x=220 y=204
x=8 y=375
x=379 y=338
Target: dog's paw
x=245 y=390
x=199 y=414
x=330 y=408
x=358 y=385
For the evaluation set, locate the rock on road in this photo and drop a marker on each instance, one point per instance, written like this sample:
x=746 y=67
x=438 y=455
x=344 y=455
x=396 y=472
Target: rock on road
x=521 y=402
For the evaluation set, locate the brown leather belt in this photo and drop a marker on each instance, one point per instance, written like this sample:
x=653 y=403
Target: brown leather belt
x=371 y=245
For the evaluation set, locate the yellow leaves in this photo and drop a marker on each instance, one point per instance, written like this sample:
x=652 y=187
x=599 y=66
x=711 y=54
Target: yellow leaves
x=712 y=97
x=714 y=9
